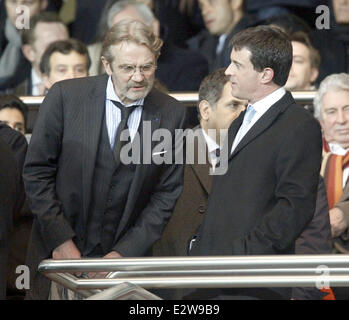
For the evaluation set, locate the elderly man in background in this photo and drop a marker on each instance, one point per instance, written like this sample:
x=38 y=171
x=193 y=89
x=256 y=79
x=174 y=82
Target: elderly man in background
x=332 y=109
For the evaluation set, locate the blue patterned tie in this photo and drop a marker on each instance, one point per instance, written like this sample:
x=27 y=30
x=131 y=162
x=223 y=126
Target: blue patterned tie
x=250 y=112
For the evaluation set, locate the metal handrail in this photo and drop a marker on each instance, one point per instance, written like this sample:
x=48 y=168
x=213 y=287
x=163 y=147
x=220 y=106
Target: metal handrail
x=202 y=272
x=188 y=98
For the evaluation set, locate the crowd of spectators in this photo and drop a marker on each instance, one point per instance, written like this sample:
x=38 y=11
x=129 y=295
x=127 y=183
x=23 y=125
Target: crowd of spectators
x=65 y=41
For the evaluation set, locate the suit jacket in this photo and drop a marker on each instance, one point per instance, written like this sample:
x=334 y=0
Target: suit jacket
x=190 y=207
x=11 y=193
x=59 y=171
x=341 y=243
x=22 y=218
x=267 y=197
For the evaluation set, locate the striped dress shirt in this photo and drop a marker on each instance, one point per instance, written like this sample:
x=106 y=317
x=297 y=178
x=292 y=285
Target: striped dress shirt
x=113 y=114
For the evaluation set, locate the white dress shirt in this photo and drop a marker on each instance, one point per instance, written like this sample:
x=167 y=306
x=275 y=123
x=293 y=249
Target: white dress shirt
x=261 y=107
x=37 y=82
x=212 y=146
x=113 y=114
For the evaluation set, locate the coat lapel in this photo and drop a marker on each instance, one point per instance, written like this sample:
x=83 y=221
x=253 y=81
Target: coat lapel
x=201 y=170
x=263 y=123
x=93 y=119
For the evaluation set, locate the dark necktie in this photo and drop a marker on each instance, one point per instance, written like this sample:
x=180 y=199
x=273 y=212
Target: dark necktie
x=118 y=143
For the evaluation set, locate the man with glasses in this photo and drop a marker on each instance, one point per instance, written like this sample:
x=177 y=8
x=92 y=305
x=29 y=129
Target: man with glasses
x=87 y=200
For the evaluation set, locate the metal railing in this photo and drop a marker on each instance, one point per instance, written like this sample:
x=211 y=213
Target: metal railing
x=188 y=98
x=201 y=272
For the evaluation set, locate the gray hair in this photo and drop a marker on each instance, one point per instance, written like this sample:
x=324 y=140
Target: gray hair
x=333 y=82
x=143 y=10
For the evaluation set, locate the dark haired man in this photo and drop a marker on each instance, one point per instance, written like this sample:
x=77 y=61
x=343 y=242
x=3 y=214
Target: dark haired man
x=65 y=59
x=13 y=112
x=217 y=108
x=267 y=197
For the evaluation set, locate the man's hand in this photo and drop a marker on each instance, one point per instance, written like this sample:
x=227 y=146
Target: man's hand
x=67 y=250
x=338 y=223
x=110 y=255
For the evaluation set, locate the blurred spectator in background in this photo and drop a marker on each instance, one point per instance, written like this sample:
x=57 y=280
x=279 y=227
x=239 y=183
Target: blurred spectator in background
x=45 y=29
x=178 y=69
x=65 y=59
x=13 y=65
x=13 y=112
x=305 y=64
x=223 y=19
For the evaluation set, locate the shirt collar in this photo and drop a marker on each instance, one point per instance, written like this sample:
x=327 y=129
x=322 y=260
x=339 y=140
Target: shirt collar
x=36 y=80
x=211 y=144
x=264 y=104
x=337 y=149
x=111 y=94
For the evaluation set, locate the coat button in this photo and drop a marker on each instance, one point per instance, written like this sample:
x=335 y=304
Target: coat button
x=202 y=209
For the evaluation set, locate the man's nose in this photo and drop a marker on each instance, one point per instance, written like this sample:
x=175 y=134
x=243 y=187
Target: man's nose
x=138 y=75
x=341 y=117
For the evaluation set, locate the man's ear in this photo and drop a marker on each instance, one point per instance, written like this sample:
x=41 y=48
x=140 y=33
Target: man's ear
x=267 y=75
x=47 y=82
x=107 y=66
x=236 y=5
x=205 y=110
x=314 y=75
x=28 y=52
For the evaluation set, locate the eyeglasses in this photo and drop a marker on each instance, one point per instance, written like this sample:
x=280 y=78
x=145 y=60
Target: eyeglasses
x=130 y=70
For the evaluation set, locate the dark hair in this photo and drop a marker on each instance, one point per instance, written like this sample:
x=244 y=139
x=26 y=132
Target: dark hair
x=211 y=87
x=315 y=58
x=28 y=35
x=13 y=102
x=64 y=47
x=270 y=47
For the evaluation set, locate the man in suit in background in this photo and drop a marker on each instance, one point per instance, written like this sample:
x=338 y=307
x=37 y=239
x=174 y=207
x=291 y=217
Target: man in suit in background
x=267 y=197
x=223 y=19
x=87 y=202
x=65 y=59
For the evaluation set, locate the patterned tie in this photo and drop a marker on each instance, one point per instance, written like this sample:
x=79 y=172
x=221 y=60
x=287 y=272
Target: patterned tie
x=118 y=143
x=250 y=112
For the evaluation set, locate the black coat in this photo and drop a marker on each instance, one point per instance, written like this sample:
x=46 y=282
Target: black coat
x=59 y=169
x=11 y=198
x=268 y=195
